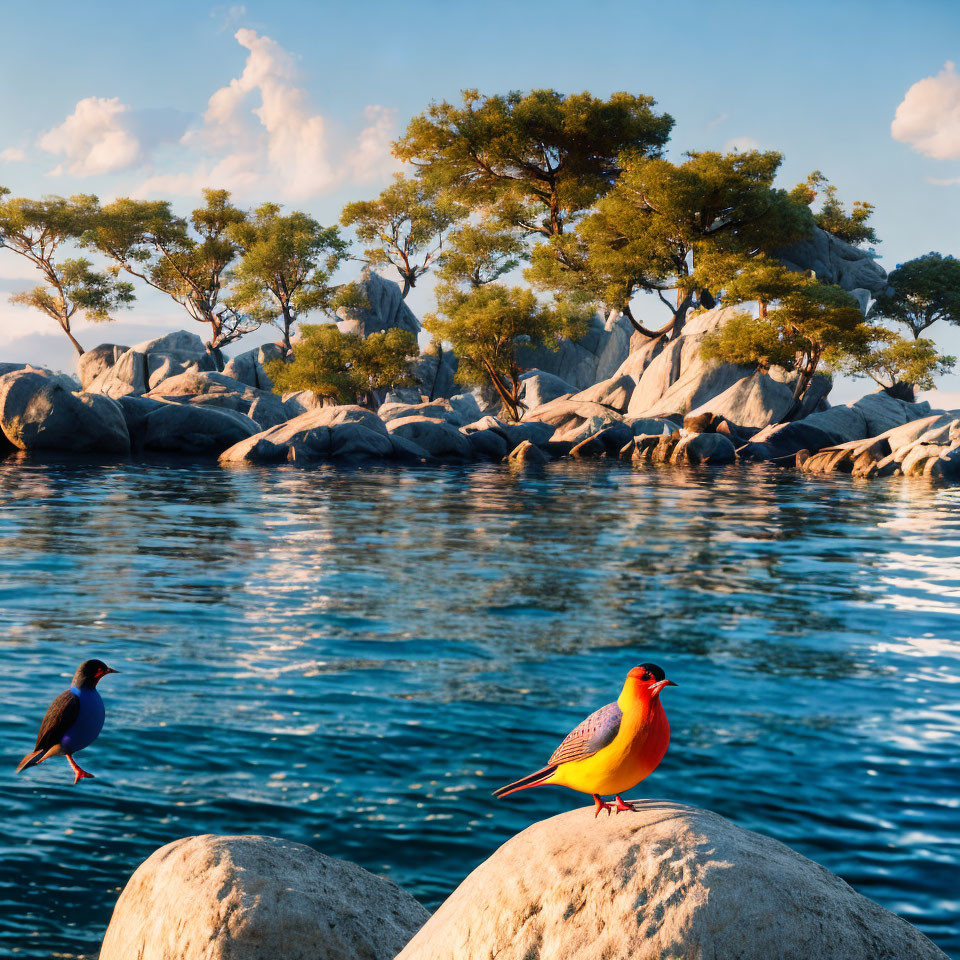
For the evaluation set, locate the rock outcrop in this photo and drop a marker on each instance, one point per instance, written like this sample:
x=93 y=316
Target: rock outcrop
x=669 y=881
x=325 y=433
x=835 y=261
x=205 y=388
x=594 y=356
x=38 y=413
x=538 y=387
x=254 y=898
x=247 y=367
x=385 y=309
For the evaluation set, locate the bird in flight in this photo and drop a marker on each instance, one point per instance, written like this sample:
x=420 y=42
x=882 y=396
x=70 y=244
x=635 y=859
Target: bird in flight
x=614 y=748
x=73 y=721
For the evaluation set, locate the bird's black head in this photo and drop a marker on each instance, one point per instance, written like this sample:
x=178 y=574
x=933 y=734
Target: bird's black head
x=90 y=672
x=650 y=678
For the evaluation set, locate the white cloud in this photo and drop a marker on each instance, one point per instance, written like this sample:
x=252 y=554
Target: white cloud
x=96 y=138
x=13 y=155
x=943 y=181
x=929 y=116
x=716 y=121
x=260 y=136
x=741 y=145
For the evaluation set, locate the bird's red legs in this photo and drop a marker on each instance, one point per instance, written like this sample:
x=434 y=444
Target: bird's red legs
x=601 y=805
x=80 y=774
x=625 y=805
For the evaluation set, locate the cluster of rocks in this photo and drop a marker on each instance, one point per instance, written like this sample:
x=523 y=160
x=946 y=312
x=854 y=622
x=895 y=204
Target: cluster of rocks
x=667 y=881
x=612 y=393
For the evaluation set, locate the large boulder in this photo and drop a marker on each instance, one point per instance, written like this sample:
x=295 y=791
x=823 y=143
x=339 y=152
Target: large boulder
x=614 y=392
x=573 y=420
x=247 y=367
x=206 y=388
x=257 y=898
x=434 y=372
x=324 y=433
x=756 y=401
x=835 y=261
x=867 y=417
x=513 y=433
x=178 y=428
x=441 y=409
x=385 y=308
x=141 y=367
x=93 y=362
x=595 y=356
x=669 y=881
x=37 y=412
x=439 y=438
x=538 y=387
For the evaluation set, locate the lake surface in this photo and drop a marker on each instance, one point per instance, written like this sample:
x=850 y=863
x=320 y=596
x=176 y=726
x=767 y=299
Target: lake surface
x=355 y=658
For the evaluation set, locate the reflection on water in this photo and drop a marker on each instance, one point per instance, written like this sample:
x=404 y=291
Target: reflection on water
x=354 y=658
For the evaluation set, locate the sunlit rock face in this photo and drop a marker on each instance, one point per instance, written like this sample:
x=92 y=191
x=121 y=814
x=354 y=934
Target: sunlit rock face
x=667 y=881
x=252 y=898
x=385 y=309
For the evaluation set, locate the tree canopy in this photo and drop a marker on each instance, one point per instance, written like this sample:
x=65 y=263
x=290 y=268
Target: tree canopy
x=832 y=215
x=344 y=367
x=925 y=290
x=38 y=230
x=535 y=160
x=286 y=266
x=187 y=259
x=404 y=226
x=899 y=366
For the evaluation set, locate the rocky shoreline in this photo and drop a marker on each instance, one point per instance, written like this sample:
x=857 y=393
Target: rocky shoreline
x=667 y=881
x=645 y=400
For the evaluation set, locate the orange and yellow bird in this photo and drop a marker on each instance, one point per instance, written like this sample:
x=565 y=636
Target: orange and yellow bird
x=614 y=748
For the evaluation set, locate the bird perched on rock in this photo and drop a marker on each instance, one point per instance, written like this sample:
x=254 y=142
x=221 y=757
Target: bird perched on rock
x=614 y=748
x=73 y=721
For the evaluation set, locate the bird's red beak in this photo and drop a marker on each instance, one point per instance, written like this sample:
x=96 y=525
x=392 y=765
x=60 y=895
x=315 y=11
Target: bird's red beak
x=655 y=688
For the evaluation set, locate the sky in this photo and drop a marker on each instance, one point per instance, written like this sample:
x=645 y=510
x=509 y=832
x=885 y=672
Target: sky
x=299 y=102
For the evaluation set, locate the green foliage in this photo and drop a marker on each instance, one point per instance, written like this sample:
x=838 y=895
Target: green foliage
x=486 y=324
x=286 y=265
x=658 y=218
x=186 y=259
x=480 y=254
x=404 y=226
x=38 y=230
x=891 y=361
x=811 y=322
x=833 y=216
x=343 y=366
x=925 y=290
x=534 y=160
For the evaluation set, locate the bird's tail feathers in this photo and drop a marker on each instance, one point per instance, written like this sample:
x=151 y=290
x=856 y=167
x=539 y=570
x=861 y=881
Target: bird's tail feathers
x=531 y=780
x=30 y=759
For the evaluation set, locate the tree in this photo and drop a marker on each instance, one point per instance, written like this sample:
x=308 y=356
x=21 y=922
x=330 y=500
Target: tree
x=345 y=367
x=487 y=323
x=899 y=366
x=38 y=230
x=810 y=323
x=659 y=220
x=405 y=227
x=925 y=290
x=832 y=216
x=536 y=160
x=187 y=260
x=285 y=268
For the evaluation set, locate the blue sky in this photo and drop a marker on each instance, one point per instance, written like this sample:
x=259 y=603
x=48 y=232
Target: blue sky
x=115 y=102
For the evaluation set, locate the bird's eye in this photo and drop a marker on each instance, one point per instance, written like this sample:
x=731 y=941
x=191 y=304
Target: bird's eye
x=646 y=676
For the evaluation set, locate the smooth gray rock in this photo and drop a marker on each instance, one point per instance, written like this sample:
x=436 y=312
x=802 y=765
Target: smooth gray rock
x=38 y=413
x=753 y=401
x=667 y=882
x=247 y=367
x=386 y=310
x=487 y=443
x=835 y=261
x=614 y=392
x=205 y=388
x=528 y=453
x=572 y=420
x=438 y=437
x=435 y=374
x=651 y=425
x=705 y=448
x=595 y=356
x=300 y=402
x=538 y=387
x=441 y=409
x=257 y=898
x=179 y=428
x=95 y=361
x=513 y=433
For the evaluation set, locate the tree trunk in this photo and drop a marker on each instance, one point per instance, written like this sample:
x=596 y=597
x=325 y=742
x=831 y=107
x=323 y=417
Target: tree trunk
x=762 y=315
x=804 y=379
x=510 y=398
x=74 y=341
x=436 y=376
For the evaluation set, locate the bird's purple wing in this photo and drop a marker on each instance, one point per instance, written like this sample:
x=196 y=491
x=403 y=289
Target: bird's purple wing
x=592 y=735
x=60 y=717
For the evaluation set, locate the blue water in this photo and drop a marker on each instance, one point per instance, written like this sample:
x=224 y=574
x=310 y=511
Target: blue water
x=355 y=658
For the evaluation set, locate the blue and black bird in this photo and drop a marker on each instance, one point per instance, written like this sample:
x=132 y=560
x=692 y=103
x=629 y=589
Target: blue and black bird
x=73 y=721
